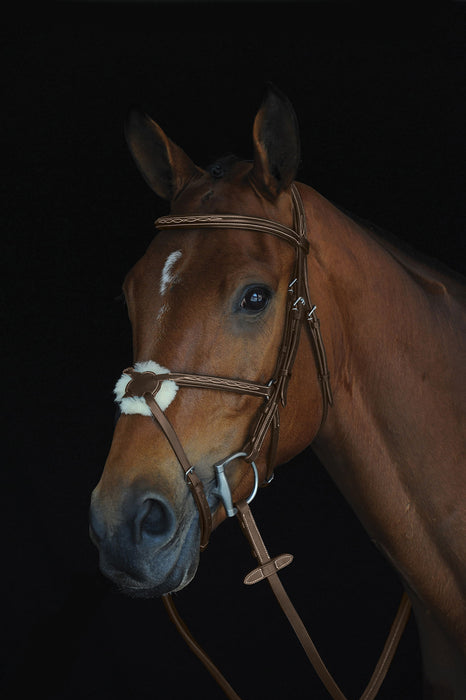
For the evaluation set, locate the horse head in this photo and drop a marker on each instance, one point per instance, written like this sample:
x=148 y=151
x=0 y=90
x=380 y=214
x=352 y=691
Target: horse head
x=204 y=302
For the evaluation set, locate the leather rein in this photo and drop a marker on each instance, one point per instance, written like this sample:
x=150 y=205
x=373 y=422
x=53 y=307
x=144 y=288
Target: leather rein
x=299 y=310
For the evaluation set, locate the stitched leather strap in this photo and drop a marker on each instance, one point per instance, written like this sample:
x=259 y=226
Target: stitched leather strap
x=234 y=221
x=203 y=381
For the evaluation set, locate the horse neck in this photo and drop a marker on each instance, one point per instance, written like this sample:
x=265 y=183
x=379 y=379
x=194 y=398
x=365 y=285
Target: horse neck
x=389 y=324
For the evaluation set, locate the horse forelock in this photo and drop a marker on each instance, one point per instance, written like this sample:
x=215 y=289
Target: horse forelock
x=222 y=166
x=228 y=187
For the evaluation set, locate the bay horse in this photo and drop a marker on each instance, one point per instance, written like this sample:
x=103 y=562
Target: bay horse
x=377 y=387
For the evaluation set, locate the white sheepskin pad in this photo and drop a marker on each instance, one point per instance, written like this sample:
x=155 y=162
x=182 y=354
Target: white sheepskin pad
x=136 y=404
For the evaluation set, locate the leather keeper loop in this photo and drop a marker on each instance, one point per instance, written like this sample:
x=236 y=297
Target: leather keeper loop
x=270 y=567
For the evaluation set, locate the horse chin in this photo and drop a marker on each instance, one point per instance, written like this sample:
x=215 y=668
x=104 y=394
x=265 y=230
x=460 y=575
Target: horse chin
x=145 y=589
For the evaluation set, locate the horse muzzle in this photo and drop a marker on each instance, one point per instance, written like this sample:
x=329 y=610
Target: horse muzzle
x=145 y=548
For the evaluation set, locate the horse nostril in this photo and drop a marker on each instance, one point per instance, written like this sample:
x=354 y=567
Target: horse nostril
x=153 y=519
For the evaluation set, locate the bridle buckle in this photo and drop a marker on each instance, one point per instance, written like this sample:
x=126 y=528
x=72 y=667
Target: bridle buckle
x=187 y=473
x=299 y=300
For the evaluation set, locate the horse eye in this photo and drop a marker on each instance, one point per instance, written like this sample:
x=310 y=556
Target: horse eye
x=255 y=299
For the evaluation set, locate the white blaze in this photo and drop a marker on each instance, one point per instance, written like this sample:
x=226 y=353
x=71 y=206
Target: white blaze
x=167 y=273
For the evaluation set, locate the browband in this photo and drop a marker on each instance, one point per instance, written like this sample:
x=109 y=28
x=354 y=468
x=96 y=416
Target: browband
x=235 y=221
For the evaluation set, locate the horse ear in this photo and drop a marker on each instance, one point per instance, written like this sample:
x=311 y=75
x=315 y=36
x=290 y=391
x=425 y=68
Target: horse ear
x=276 y=144
x=165 y=166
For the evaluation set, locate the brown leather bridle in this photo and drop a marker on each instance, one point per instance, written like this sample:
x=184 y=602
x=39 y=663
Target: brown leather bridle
x=299 y=308
x=146 y=384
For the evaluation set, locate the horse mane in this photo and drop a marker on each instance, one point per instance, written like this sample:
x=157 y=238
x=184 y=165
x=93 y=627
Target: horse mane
x=433 y=275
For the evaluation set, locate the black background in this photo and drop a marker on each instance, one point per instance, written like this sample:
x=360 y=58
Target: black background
x=379 y=94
